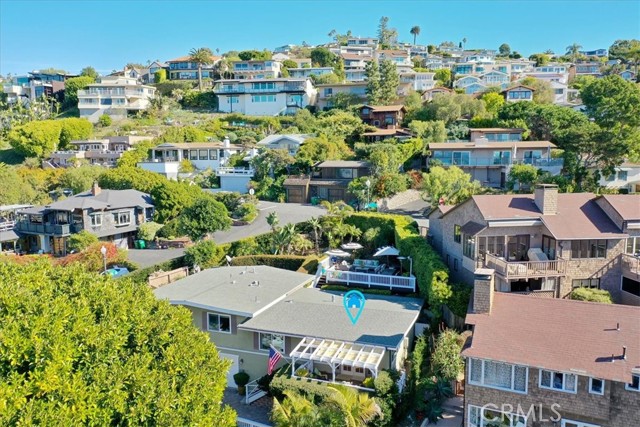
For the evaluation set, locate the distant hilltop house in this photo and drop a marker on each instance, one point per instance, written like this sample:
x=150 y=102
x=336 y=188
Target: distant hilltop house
x=518 y=93
x=182 y=68
x=167 y=160
x=114 y=96
x=35 y=85
x=112 y=215
x=290 y=142
x=103 y=152
x=264 y=96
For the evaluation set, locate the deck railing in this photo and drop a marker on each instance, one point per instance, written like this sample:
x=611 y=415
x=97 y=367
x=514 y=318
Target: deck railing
x=7 y=225
x=369 y=280
x=526 y=269
x=630 y=265
x=243 y=422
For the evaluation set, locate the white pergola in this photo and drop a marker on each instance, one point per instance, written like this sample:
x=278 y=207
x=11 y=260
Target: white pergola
x=336 y=353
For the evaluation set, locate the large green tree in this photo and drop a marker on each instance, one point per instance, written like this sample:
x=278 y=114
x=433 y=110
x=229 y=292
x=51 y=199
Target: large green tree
x=451 y=184
x=81 y=178
x=90 y=72
x=203 y=217
x=373 y=90
x=81 y=349
x=71 y=88
x=36 y=139
x=201 y=56
x=389 y=81
x=446 y=361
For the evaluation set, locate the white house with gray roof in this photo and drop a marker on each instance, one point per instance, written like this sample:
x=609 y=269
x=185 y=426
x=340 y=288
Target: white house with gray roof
x=246 y=310
x=290 y=142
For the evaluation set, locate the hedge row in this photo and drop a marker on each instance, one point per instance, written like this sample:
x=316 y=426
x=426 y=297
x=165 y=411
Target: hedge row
x=286 y=262
x=432 y=275
x=281 y=382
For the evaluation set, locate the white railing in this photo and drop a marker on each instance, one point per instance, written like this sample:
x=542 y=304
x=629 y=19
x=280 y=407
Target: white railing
x=235 y=171
x=253 y=392
x=630 y=264
x=401 y=381
x=7 y=225
x=526 y=269
x=368 y=280
x=243 y=422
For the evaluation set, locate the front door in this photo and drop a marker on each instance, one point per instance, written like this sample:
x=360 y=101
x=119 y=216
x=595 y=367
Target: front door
x=233 y=369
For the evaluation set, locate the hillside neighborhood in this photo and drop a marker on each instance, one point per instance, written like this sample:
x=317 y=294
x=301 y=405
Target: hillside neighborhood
x=363 y=232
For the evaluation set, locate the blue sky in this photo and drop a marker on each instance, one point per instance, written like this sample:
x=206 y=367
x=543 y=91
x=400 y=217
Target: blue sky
x=108 y=34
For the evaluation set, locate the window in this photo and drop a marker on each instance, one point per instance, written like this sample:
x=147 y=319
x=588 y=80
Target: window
x=633 y=245
x=549 y=246
x=569 y=423
x=263 y=98
x=469 y=247
x=588 y=249
x=622 y=175
x=233 y=100
x=329 y=91
x=596 y=386
x=585 y=283
x=631 y=286
x=499 y=375
x=213 y=154
x=263 y=85
x=359 y=370
x=558 y=381
x=493 y=245
x=502 y=157
x=345 y=173
x=346 y=368
x=457 y=234
x=95 y=219
x=455 y=264
x=122 y=218
x=275 y=340
x=531 y=156
x=634 y=385
x=487 y=417
x=193 y=154
x=218 y=323
x=203 y=155
x=461 y=158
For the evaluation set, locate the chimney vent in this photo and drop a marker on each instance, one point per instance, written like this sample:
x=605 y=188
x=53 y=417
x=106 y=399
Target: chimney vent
x=483 y=290
x=624 y=352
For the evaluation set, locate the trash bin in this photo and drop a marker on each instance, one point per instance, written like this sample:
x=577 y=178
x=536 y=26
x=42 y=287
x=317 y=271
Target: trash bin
x=136 y=244
x=142 y=244
x=315 y=201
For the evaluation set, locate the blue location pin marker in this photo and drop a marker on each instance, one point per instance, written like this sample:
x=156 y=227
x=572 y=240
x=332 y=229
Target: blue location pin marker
x=353 y=301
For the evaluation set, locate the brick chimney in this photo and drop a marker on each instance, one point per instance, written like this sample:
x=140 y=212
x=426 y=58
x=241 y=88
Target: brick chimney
x=546 y=198
x=95 y=189
x=483 y=290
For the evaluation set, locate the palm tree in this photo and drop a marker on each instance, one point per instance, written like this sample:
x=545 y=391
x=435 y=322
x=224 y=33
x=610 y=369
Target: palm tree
x=357 y=408
x=464 y=42
x=201 y=56
x=317 y=231
x=415 y=32
x=574 y=51
x=273 y=220
x=295 y=411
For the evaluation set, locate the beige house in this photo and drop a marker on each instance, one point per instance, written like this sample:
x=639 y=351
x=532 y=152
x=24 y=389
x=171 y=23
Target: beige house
x=114 y=96
x=545 y=244
x=549 y=362
x=246 y=310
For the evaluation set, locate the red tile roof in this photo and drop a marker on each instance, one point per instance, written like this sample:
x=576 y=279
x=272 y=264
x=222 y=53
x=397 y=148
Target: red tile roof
x=558 y=334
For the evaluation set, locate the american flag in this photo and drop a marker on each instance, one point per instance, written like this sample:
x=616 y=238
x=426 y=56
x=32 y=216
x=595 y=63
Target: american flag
x=274 y=357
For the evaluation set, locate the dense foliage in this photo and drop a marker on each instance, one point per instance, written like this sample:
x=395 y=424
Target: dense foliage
x=79 y=349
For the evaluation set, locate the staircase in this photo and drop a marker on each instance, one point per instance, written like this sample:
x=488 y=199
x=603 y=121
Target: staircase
x=253 y=392
x=320 y=278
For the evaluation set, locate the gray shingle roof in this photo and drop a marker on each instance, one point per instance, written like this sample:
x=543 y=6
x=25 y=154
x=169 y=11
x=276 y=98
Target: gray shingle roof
x=106 y=199
x=234 y=290
x=311 y=312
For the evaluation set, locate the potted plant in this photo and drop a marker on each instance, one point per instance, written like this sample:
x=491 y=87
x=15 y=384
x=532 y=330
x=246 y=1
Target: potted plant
x=241 y=379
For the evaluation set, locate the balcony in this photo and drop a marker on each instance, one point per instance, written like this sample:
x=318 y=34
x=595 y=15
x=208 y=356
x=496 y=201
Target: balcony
x=110 y=93
x=487 y=162
x=631 y=266
x=243 y=89
x=52 y=229
x=7 y=225
x=235 y=172
x=526 y=269
x=385 y=281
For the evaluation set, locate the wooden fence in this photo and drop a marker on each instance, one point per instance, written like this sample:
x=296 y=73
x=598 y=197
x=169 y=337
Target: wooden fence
x=160 y=278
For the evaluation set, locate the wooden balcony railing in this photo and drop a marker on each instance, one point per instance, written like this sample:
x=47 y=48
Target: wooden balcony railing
x=630 y=266
x=526 y=269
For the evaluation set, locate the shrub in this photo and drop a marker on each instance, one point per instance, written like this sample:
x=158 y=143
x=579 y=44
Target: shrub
x=73 y=129
x=246 y=211
x=105 y=120
x=446 y=360
x=309 y=265
x=592 y=295
x=205 y=254
x=368 y=382
x=170 y=230
x=459 y=300
x=91 y=258
x=286 y=262
x=82 y=240
x=244 y=247
x=241 y=379
x=313 y=390
x=149 y=230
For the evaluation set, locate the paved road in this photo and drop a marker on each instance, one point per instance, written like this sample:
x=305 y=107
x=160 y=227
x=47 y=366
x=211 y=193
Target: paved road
x=287 y=213
x=416 y=210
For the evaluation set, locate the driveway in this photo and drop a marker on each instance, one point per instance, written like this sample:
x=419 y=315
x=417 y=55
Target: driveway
x=416 y=210
x=287 y=213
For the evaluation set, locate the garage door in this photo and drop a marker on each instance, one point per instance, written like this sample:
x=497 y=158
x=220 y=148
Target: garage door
x=294 y=195
x=233 y=369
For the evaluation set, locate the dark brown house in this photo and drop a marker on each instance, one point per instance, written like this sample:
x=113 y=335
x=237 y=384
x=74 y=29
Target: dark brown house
x=328 y=181
x=383 y=116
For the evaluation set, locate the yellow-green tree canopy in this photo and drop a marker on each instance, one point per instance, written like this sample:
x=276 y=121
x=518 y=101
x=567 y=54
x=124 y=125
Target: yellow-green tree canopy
x=81 y=349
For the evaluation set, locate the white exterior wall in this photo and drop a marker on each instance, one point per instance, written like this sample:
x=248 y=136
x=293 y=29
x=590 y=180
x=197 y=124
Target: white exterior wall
x=114 y=96
x=246 y=105
x=631 y=183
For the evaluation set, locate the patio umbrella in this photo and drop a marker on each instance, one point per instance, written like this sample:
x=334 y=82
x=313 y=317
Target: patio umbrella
x=387 y=251
x=338 y=253
x=351 y=246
